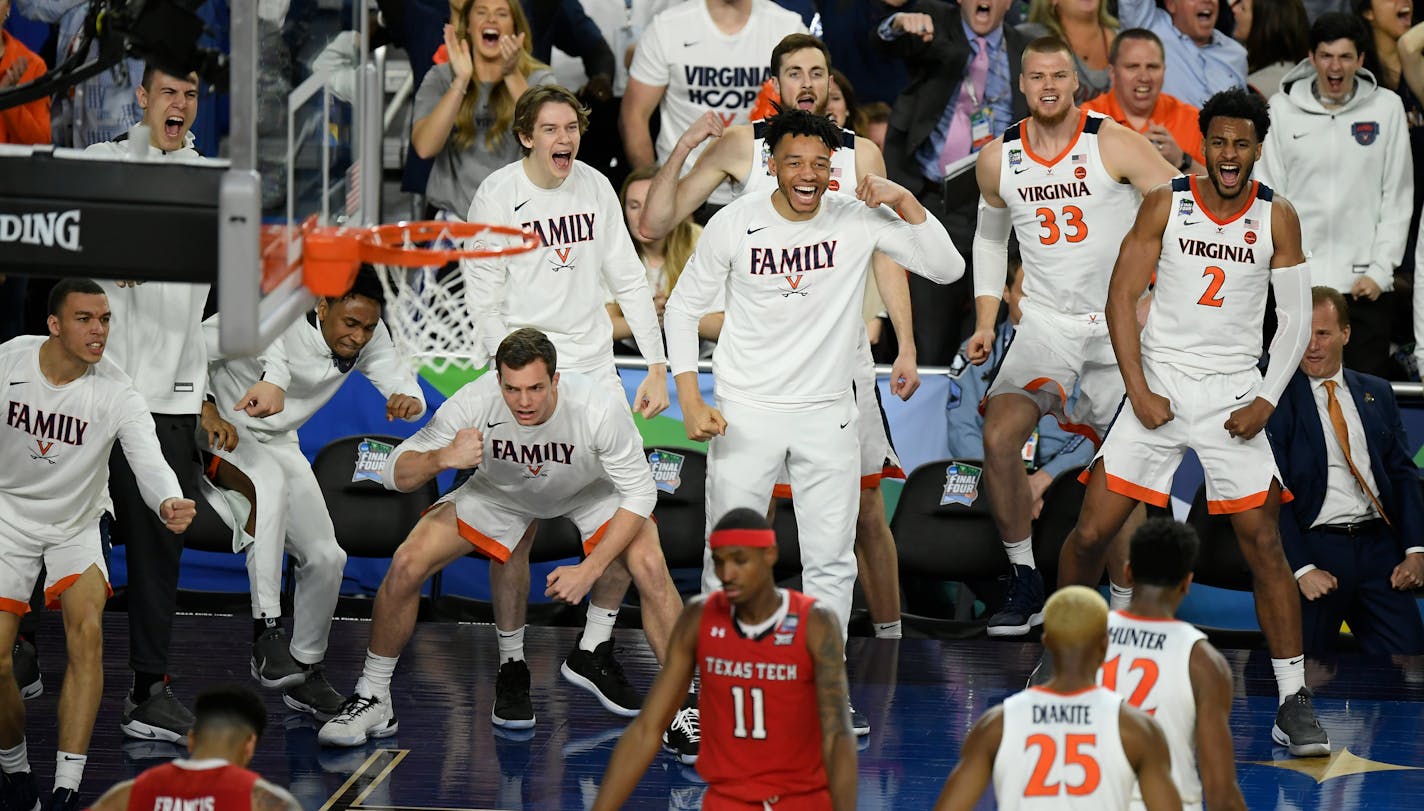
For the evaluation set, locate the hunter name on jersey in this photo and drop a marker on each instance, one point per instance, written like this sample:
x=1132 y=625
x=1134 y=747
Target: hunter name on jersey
x=1136 y=638
x=46 y=425
x=762 y=671
x=783 y=261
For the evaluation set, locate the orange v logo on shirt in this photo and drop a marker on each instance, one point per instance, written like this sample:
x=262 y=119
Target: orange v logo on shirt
x=534 y=469
x=727 y=118
x=563 y=254
x=44 y=446
x=795 y=281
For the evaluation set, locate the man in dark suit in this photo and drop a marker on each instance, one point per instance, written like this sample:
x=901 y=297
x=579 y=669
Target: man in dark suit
x=1354 y=534
x=963 y=92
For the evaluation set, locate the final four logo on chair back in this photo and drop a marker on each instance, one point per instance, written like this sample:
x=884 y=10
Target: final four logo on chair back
x=371 y=459
x=667 y=470
x=961 y=484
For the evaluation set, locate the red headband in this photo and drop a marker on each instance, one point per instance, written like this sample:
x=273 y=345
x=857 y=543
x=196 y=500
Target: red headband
x=742 y=537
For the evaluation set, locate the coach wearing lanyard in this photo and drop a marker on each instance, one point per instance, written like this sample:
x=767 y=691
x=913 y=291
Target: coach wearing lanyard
x=1353 y=532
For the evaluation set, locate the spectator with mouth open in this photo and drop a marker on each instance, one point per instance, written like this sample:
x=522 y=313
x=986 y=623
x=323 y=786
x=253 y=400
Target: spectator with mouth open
x=1200 y=60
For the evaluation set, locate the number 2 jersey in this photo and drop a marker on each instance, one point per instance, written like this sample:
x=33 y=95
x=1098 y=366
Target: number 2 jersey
x=1209 y=302
x=761 y=723
x=1070 y=216
x=1063 y=752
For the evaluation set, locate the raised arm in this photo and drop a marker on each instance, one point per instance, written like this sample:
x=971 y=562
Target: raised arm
x=1136 y=262
x=1411 y=59
x=1147 y=753
x=1216 y=760
x=913 y=238
x=972 y=773
x=990 y=251
x=641 y=741
x=823 y=638
x=450 y=441
x=671 y=197
x=437 y=101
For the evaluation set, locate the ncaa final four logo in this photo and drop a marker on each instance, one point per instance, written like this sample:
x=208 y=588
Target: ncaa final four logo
x=667 y=470
x=961 y=484
x=371 y=459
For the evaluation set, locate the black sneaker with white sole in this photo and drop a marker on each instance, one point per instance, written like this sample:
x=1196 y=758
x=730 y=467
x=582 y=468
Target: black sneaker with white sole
x=160 y=717
x=598 y=672
x=19 y=792
x=1297 y=729
x=1023 y=606
x=314 y=695
x=859 y=724
x=26 y=662
x=272 y=662
x=683 y=737
x=512 y=707
x=63 y=799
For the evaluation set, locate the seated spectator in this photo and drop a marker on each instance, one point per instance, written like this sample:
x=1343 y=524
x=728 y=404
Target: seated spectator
x=663 y=259
x=1338 y=149
x=1087 y=27
x=464 y=108
x=1136 y=100
x=23 y=123
x=1201 y=60
x=1354 y=533
x=841 y=105
x=1276 y=35
x=1051 y=450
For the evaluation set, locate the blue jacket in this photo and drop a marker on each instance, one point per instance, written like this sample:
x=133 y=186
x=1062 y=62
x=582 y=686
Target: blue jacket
x=1298 y=439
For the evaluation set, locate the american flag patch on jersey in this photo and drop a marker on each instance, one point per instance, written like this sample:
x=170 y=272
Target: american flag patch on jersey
x=1251 y=225
x=1077 y=159
x=835 y=171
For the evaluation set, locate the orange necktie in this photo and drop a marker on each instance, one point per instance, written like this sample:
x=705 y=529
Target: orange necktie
x=1342 y=433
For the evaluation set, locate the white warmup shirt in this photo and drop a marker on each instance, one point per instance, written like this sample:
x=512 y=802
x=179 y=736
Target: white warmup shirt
x=1047 y=737
x=301 y=364
x=1149 y=665
x=704 y=69
x=542 y=470
x=793 y=294
x=558 y=288
x=54 y=448
x=1070 y=216
x=156 y=337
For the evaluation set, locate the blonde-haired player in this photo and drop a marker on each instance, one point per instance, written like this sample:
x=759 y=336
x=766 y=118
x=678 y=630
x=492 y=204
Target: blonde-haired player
x=1067 y=182
x=1068 y=744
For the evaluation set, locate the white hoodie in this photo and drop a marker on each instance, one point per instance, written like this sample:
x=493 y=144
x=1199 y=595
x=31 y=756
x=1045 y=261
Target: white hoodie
x=1349 y=174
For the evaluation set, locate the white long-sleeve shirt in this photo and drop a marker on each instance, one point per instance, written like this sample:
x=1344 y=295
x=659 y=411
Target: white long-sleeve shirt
x=558 y=288
x=301 y=364
x=156 y=337
x=55 y=444
x=793 y=294
x=542 y=470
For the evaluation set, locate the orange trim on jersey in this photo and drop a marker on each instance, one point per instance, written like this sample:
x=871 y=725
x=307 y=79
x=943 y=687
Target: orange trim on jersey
x=489 y=546
x=593 y=539
x=1123 y=487
x=1140 y=618
x=1082 y=120
x=1039 y=382
x=1084 y=431
x=53 y=593
x=1241 y=505
x=1192 y=180
x=211 y=471
x=15 y=607
x=781 y=491
x=1079 y=692
x=870 y=481
x=892 y=472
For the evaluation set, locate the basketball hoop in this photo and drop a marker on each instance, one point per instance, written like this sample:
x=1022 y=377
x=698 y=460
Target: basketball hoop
x=425 y=307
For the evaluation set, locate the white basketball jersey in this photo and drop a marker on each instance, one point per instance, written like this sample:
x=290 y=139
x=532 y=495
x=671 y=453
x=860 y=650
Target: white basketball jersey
x=1062 y=752
x=1070 y=216
x=1210 y=297
x=1148 y=664
x=760 y=179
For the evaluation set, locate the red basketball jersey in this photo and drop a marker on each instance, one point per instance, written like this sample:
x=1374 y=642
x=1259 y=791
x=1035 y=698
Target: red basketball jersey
x=761 y=726
x=193 y=785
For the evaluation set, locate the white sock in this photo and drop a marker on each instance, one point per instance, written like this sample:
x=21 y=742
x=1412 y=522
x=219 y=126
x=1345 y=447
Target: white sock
x=16 y=759
x=511 y=645
x=68 y=770
x=1120 y=597
x=887 y=630
x=599 y=627
x=1021 y=553
x=1290 y=676
x=375 y=681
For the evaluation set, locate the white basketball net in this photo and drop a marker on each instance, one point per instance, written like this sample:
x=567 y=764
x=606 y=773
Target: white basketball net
x=427 y=314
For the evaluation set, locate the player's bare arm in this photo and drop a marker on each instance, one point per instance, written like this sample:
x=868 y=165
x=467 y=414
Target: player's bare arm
x=672 y=200
x=1290 y=282
x=894 y=287
x=991 y=251
x=263 y=399
x=641 y=741
x=415 y=468
x=115 y=799
x=1136 y=262
x=1147 y=753
x=570 y=584
x=1129 y=157
x=640 y=101
x=1216 y=760
x=702 y=421
x=267 y=797
x=221 y=433
x=975 y=768
x=823 y=638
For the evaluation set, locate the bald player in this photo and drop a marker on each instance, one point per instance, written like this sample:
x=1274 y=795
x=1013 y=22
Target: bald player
x=1068 y=744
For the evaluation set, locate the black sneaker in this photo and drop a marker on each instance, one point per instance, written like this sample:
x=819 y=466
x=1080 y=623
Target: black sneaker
x=272 y=662
x=1297 y=729
x=63 y=799
x=512 y=707
x=1043 y=671
x=1023 y=607
x=683 y=737
x=601 y=674
x=859 y=724
x=161 y=716
x=26 y=662
x=314 y=695
x=18 y=792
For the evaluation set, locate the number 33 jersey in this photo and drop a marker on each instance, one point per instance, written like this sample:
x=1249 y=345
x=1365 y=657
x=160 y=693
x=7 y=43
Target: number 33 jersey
x=1062 y=751
x=1210 y=298
x=761 y=725
x=1070 y=216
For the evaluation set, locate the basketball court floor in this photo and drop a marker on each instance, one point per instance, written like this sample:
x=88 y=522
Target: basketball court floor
x=921 y=696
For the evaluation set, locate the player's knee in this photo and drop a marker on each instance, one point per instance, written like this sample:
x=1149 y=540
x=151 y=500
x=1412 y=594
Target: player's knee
x=327 y=557
x=407 y=571
x=645 y=559
x=1002 y=440
x=84 y=637
x=1088 y=536
x=1260 y=545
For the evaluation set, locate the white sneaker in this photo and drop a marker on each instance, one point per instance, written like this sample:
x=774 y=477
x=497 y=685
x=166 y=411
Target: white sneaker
x=360 y=718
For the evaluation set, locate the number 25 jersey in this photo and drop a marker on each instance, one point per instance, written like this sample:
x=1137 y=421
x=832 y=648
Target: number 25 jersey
x=1062 y=751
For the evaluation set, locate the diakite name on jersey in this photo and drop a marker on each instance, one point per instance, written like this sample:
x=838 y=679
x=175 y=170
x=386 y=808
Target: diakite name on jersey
x=1137 y=638
x=46 y=425
x=558 y=452
x=1216 y=250
x=783 y=261
x=565 y=230
x=1054 y=191
x=765 y=671
x=1062 y=714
